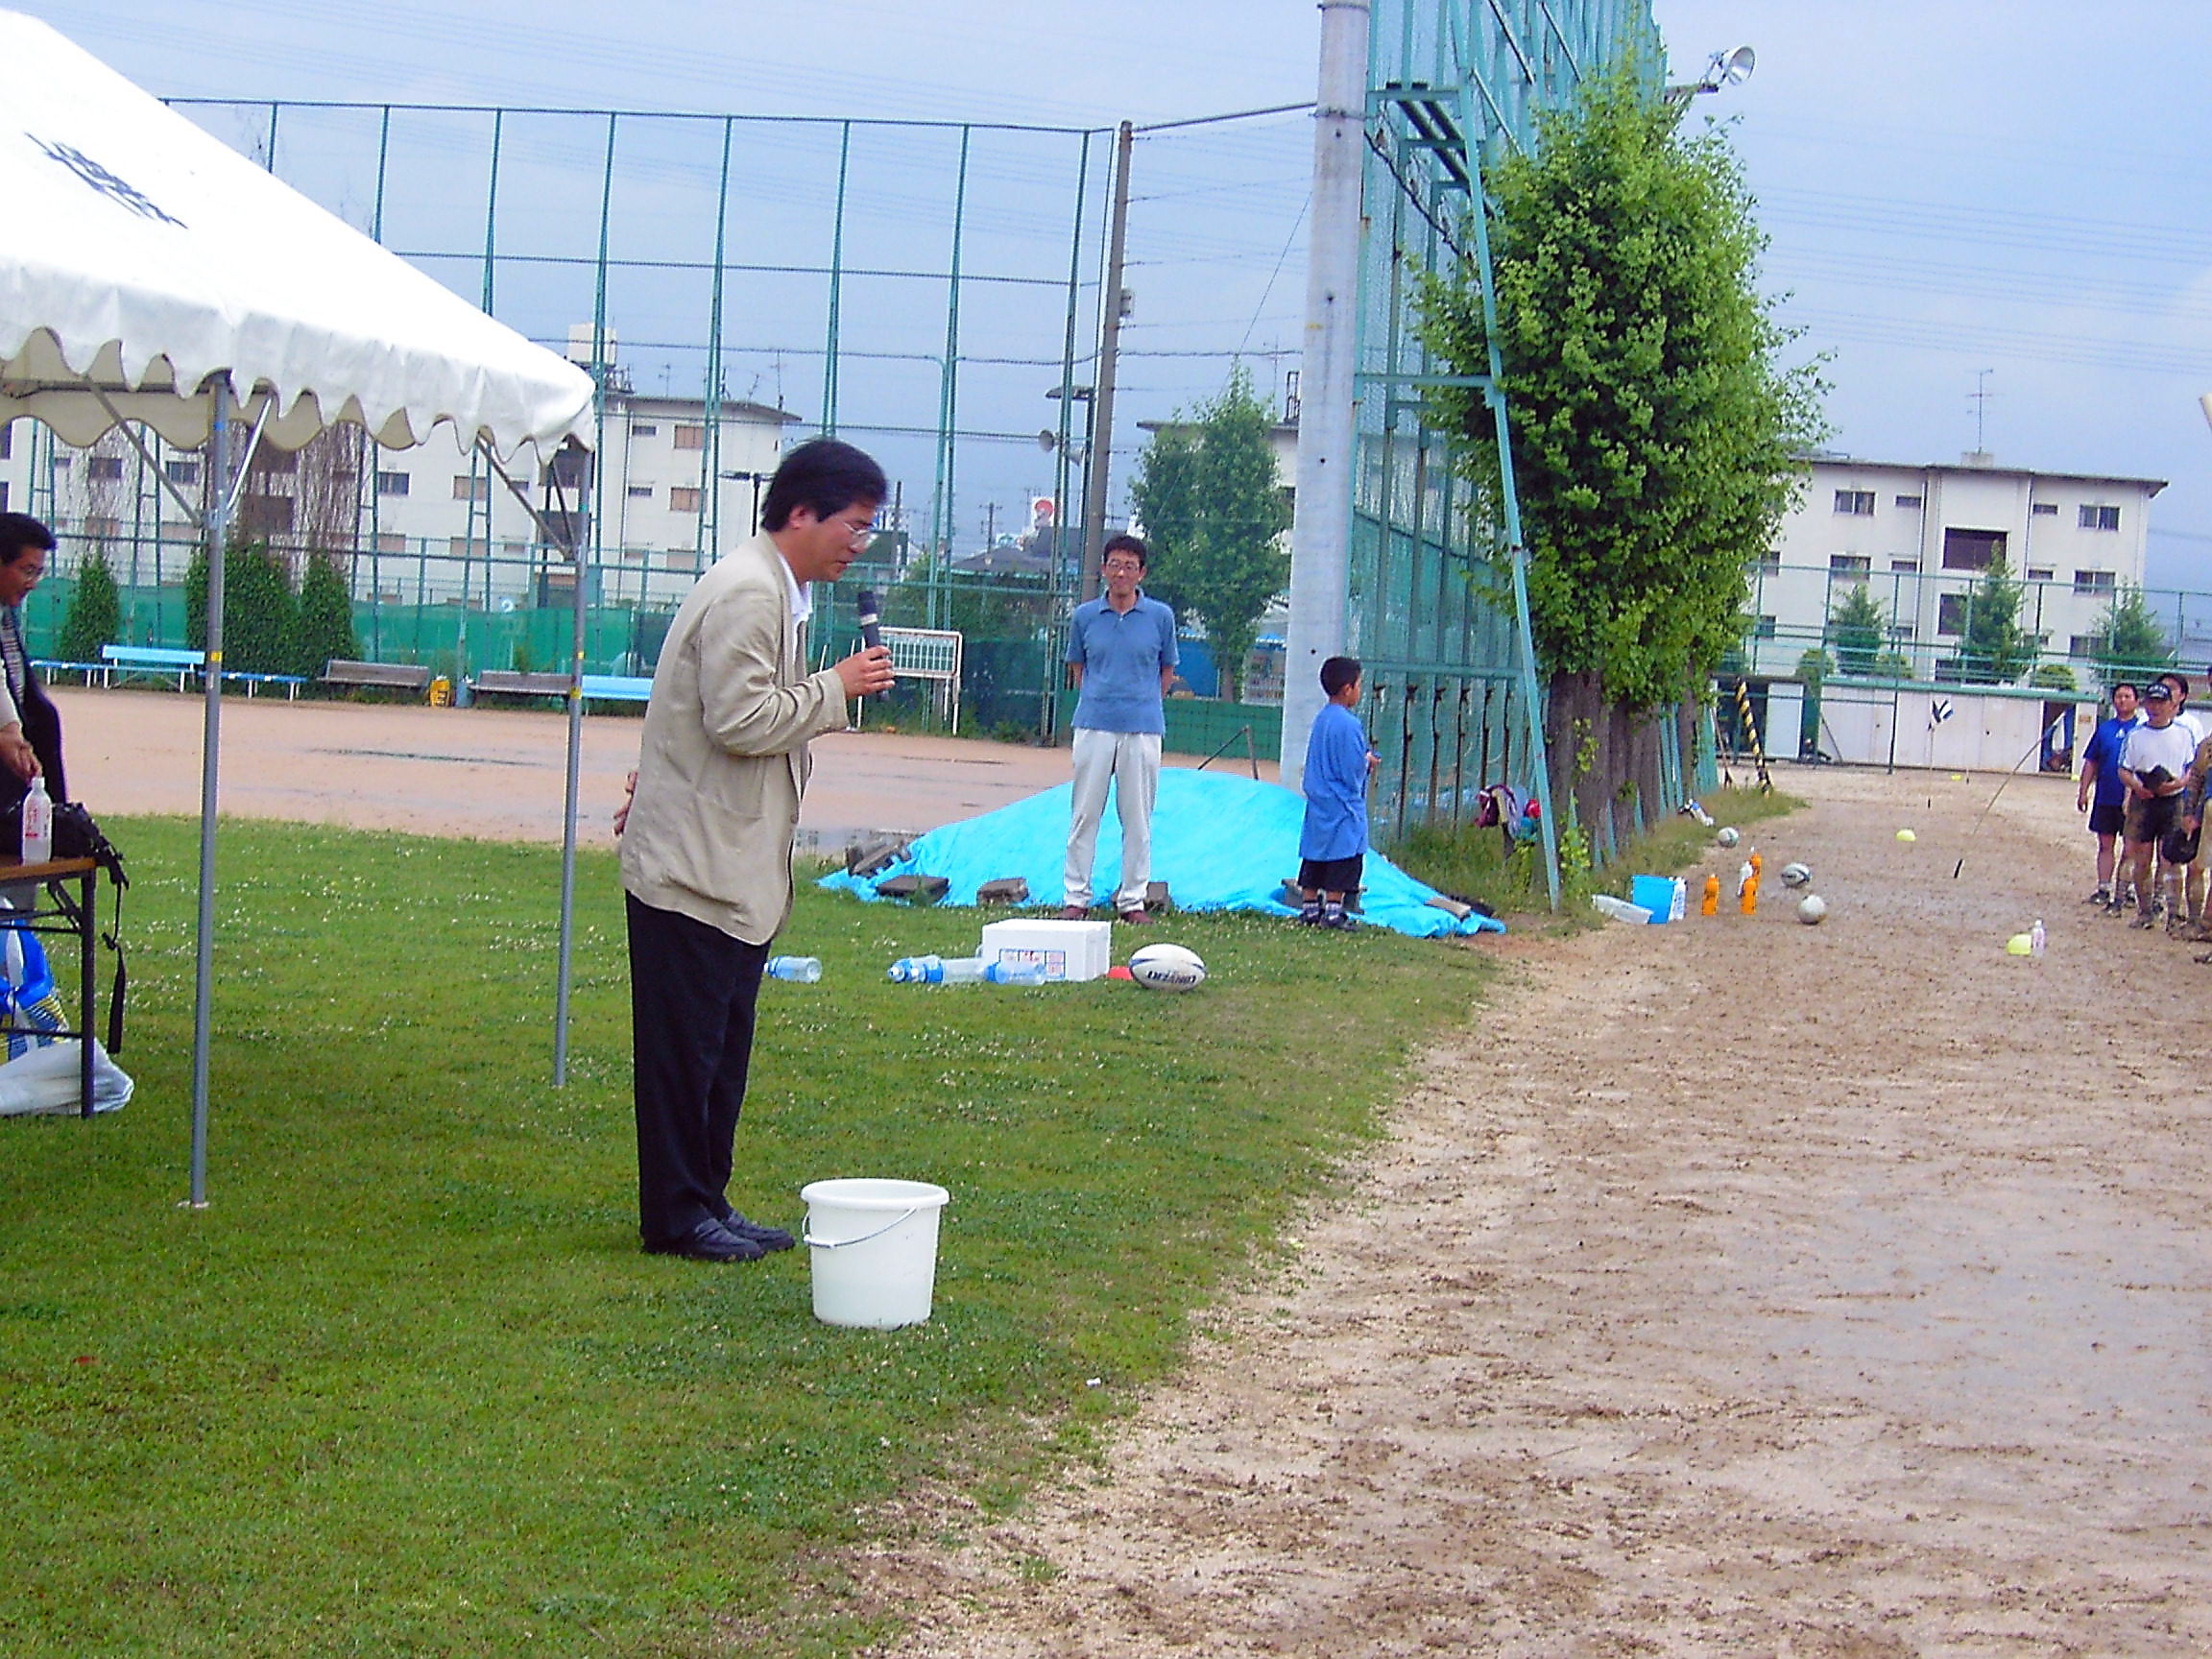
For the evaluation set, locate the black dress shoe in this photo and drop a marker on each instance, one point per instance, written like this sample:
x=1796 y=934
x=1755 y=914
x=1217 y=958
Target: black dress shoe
x=767 y=1237
x=710 y=1241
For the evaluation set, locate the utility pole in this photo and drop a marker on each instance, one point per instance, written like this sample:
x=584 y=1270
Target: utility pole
x=1115 y=304
x=1321 y=527
x=990 y=525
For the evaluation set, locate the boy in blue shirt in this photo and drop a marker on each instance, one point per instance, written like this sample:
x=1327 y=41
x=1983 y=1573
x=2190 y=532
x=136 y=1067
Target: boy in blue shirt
x=1332 y=845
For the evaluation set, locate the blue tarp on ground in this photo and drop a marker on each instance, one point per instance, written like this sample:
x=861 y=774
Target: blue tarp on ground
x=1220 y=843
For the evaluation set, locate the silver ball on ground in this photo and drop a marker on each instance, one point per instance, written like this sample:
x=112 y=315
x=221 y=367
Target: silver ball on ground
x=1811 y=909
x=1728 y=837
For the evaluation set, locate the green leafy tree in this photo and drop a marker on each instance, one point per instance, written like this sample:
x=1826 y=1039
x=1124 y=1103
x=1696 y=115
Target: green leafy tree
x=2136 y=646
x=325 y=617
x=1994 y=649
x=1858 y=627
x=1214 y=513
x=1655 y=431
x=260 y=616
x=95 y=615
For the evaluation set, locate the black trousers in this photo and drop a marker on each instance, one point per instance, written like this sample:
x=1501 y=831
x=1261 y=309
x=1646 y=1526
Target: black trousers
x=692 y=994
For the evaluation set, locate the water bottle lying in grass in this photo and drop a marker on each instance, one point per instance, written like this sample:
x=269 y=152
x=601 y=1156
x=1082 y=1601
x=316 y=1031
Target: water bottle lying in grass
x=963 y=971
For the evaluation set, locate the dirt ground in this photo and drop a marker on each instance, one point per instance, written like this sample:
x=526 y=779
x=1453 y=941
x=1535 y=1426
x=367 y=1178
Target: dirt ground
x=498 y=773
x=1733 y=1287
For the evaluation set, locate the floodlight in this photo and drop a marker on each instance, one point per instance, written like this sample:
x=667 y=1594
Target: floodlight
x=1734 y=68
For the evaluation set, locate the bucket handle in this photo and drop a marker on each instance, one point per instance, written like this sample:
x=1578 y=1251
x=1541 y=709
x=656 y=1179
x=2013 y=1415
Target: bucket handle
x=813 y=1243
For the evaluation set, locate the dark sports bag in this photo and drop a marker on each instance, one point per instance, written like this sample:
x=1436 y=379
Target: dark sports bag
x=2179 y=845
x=77 y=835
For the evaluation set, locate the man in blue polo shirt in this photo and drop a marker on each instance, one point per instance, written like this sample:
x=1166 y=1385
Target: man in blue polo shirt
x=1121 y=652
x=2101 y=780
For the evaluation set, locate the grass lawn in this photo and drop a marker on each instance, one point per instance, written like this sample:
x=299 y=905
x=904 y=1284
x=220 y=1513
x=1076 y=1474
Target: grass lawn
x=408 y=1387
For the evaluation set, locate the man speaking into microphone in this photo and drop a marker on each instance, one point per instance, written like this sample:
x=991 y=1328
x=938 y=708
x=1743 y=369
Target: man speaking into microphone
x=706 y=839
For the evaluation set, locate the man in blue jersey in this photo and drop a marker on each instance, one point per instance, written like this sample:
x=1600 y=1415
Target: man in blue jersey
x=2102 y=795
x=1121 y=653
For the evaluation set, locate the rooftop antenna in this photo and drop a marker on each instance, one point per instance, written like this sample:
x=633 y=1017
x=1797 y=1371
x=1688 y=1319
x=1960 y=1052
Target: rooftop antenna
x=1982 y=396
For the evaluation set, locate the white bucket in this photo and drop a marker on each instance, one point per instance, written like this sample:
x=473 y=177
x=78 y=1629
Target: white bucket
x=873 y=1245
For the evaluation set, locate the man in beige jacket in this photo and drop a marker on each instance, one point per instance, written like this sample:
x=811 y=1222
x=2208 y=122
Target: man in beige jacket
x=707 y=835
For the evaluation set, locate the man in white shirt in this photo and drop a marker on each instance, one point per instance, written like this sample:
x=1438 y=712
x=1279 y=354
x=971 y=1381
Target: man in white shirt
x=2153 y=765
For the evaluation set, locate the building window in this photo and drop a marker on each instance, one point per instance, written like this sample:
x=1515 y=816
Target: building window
x=682 y=498
x=111 y=466
x=468 y=488
x=641 y=492
x=645 y=430
x=182 y=472
x=7 y=439
x=1858 y=503
x=1767 y=564
x=2085 y=645
x=690 y=437
x=391 y=483
x=1905 y=566
x=3 y=494
x=1849 y=567
x=2044 y=510
x=2039 y=573
x=387 y=541
x=61 y=463
x=2100 y=517
x=1910 y=502
x=1765 y=628
x=2095 y=581
x=1972 y=549
x=1951 y=612
x=102 y=525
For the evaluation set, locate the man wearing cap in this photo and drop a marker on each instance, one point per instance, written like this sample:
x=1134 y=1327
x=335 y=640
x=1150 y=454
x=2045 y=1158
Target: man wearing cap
x=2153 y=765
x=2101 y=778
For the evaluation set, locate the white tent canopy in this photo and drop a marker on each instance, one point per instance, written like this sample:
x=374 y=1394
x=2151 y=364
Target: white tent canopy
x=148 y=273
x=140 y=256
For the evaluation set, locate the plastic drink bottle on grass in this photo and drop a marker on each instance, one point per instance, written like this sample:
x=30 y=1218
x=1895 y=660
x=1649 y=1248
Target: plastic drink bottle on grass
x=799 y=969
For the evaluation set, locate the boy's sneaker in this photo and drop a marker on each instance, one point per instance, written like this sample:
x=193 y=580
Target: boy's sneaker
x=1334 y=916
x=1309 y=913
x=2147 y=919
x=2102 y=896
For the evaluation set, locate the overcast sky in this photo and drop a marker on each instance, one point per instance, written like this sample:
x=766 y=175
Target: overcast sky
x=1950 y=187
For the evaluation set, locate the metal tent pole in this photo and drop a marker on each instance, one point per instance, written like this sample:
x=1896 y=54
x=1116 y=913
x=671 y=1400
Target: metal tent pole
x=836 y=285
x=587 y=509
x=210 y=752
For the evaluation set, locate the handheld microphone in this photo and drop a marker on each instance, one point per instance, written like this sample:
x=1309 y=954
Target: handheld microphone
x=871 y=616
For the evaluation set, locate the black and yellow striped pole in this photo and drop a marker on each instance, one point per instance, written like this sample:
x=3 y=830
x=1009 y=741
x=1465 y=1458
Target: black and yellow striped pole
x=1749 y=728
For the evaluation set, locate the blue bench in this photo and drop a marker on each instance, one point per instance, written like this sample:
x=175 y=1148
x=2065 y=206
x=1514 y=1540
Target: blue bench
x=164 y=660
x=158 y=661
x=602 y=687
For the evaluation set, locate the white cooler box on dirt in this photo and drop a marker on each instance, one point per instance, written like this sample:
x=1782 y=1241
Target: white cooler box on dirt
x=1068 y=949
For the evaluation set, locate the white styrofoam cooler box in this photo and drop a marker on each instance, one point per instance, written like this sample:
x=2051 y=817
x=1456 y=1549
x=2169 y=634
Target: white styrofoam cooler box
x=1068 y=949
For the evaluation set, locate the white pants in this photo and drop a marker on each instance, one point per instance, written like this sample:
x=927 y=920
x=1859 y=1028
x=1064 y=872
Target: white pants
x=1129 y=761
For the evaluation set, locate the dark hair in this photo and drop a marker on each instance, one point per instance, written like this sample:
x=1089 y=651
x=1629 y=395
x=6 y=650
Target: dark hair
x=824 y=477
x=2127 y=685
x=1125 y=544
x=1340 y=672
x=19 y=533
x=2180 y=683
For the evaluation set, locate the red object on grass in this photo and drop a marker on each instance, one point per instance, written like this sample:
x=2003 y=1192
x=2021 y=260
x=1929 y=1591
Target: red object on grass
x=1118 y=974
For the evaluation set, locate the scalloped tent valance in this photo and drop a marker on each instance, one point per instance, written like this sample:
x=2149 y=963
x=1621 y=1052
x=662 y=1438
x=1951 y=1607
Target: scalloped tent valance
x=141 y=258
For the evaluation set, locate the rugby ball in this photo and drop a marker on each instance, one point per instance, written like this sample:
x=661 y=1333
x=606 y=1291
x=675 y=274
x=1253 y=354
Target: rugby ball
x=1795 y=875
x=1727 y=838
x=1168 y=968
x=1811 y=909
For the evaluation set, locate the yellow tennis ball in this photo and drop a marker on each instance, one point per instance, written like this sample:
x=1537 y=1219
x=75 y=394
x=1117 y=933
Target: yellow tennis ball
x=1906 y=835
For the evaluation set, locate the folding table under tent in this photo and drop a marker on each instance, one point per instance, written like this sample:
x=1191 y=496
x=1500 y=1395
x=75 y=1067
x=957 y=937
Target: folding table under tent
x=150 y=274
